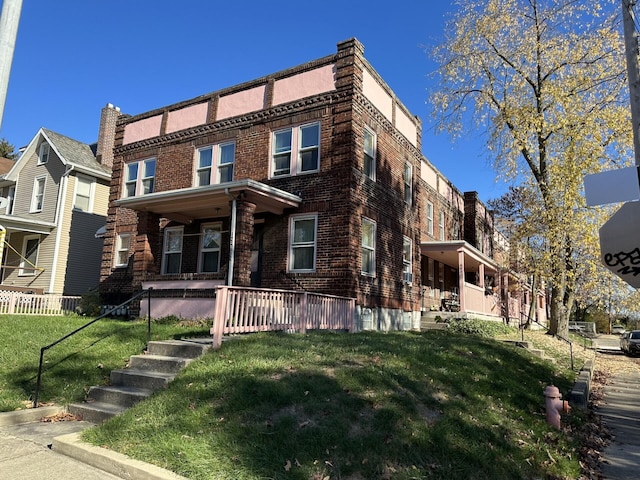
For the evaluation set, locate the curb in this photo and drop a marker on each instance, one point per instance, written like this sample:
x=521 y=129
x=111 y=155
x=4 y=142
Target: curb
x=110 y=461
x=579 y=394
x=28 y=415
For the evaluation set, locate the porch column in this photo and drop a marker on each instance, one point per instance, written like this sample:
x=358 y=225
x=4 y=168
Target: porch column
x=243 y=240
x=461 y=279
x=481 y=273
x=146 y=240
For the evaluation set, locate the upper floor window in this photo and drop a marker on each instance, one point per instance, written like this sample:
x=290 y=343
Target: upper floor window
x=83 y=199
x=368 y=247
x=408 y=183
x=369 y=154
x=172 y=251
x=11 y=195
x=407 y=270
x=296 y=150
x=215 y=164
x=302 y=243
x=43 y=154
x=30 y=247
x=123 y=245
x=430 y=218
x=441 y=226
x=140 y=177
x=210 y=242
x=38 y=194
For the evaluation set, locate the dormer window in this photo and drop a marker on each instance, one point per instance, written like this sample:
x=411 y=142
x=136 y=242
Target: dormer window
x=43 y=156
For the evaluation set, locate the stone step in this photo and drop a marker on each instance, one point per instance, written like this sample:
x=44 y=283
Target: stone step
x=158 y=363
x=121 y=395
x=95 y=412
x=180 y=348
x=141 y=378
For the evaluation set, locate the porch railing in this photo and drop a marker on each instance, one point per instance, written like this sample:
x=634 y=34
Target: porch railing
x=32 y=304
x=246 y=310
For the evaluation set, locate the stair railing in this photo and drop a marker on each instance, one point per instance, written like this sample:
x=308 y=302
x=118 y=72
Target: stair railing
x=566 y=340
x=105 y=314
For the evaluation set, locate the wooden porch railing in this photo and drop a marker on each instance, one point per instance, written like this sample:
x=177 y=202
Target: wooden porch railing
x=246 y=310
x=32 y=304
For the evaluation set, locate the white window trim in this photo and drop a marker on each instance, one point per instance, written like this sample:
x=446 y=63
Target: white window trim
x=370 y=248
x=295 y=160
x=365 y=155
x=164 y=249
x=119 y=249
x=34 y=202
x=216 y=165
x=139 y=178
x=292 y=220
x=201 y=249
x=41 y=153
x=430 y=218
x=11 y=199
x=441 y=227
x=26 y=270
x=92 y=188
x=407 y=264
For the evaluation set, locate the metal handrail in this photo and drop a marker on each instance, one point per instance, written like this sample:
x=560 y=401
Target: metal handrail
x=555 y=335
x=107 y=313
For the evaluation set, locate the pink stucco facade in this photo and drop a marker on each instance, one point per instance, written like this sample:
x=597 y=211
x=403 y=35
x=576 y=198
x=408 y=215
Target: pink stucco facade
x=187 y=117
x=145 y=128
x=242 y=102
x=304 y=85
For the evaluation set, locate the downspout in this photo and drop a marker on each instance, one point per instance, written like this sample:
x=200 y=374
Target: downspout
x=232 y=237
x=58 y=221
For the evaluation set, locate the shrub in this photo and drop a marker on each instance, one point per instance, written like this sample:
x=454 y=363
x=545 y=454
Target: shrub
x=483 y=328
x=89 y=304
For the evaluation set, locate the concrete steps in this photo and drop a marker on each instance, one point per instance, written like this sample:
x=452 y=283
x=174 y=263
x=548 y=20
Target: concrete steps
x=145 y=375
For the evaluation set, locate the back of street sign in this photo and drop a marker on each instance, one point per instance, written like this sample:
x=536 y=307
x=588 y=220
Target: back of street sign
x=620 y=243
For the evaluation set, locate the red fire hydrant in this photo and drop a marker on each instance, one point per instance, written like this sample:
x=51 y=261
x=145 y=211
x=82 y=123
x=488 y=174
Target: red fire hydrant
x=554 y=405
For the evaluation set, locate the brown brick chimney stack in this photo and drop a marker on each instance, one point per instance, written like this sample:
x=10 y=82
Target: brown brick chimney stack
x=107 y=134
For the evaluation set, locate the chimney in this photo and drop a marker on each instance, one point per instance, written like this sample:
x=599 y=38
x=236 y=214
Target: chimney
x=107 y=134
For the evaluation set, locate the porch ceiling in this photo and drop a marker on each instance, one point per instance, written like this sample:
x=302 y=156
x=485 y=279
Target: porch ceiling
x=447 y=253
x=188 y=204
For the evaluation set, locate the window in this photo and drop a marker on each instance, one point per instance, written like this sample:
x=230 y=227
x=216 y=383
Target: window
x=305 y=142
x=123 y=245
x=29 y=260
x=407 y=269
x=369 y=154
x=210 y=241
x=11 y=195
x=84 y=193
x=430 y=218
x=172 y=257
x=302 y=243
x=368 y=247
x=408 y=182
x=38 y=194
x=441 y=226
x=43 y=155
x=140 y=177
x=215 y=158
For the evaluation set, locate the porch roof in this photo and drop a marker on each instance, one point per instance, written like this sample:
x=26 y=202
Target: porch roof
x=13 y=223
x=187 y=204
x=447 y=252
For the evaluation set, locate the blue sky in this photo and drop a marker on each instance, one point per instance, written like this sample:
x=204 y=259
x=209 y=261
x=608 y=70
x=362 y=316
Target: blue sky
x=72 y=57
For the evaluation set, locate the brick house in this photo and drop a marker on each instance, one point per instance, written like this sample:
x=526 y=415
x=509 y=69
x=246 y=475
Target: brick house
x=310 y=178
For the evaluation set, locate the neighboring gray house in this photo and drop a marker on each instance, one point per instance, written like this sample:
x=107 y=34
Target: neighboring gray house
x=57 y=195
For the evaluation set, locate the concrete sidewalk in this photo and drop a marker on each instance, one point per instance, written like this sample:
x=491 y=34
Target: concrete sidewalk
x=30 y=448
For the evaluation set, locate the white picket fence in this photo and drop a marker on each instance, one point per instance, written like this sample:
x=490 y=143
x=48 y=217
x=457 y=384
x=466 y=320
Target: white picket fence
x=31 y=304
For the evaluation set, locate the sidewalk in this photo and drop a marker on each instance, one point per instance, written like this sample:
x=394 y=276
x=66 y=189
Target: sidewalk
x=39 y=450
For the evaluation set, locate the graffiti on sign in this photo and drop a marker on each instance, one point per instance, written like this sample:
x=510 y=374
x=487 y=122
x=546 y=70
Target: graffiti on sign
x=626 y=263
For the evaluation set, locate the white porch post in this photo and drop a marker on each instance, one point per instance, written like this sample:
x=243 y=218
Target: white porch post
x=461 y=279
x=232 y=241
x=481 y=273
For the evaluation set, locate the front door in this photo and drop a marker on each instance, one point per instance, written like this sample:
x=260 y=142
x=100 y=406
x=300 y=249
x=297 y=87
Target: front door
x=256 y=255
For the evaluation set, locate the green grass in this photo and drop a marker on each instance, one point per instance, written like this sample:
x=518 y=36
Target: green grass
x=75 y=364
x=361 y=406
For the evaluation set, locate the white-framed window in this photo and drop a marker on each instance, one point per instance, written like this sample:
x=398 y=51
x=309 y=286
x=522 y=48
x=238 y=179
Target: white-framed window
x=83 y=198
x=123 y=245
x=43 y=154
x=296 y=150
x=441 y=227
x=370 y=142
x=430 y=218
x=38 y=194
x=140 y=177
x=214 y=164
x=210 y=243
x=11 y=195
x=172 y=250
x=30 y=248
x=408 y=183
x=368 y=247
x=302 y=243
x=407 y=269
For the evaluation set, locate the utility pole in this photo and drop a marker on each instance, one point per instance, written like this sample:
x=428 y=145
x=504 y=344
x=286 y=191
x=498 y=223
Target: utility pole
x=631 y=49
x=9 y=20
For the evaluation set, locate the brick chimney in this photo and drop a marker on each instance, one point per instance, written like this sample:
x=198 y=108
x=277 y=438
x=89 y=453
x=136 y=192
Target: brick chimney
x=107 y=134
